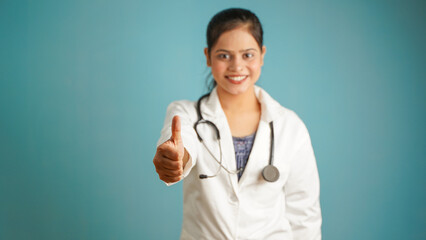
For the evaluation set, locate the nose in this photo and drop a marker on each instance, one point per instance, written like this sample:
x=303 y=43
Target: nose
x=235 y=64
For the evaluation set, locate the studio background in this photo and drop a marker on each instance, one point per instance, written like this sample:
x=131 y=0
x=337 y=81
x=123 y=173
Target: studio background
x=84 y=87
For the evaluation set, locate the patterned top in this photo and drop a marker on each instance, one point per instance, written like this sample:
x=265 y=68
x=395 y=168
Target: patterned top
x=243 y=146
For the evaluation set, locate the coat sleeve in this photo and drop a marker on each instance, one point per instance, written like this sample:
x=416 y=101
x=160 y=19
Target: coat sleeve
x=189 y=137
x=302 y=190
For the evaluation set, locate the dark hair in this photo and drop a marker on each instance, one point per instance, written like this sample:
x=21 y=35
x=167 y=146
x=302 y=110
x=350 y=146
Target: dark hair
x=227 y=20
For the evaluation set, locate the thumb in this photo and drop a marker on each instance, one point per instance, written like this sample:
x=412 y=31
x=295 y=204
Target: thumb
x=176 y=138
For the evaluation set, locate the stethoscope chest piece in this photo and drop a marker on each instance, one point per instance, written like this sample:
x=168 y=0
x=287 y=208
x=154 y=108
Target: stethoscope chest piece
x=270 y=173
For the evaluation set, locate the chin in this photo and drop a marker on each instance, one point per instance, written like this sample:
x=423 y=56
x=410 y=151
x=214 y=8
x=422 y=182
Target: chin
x=236 y=90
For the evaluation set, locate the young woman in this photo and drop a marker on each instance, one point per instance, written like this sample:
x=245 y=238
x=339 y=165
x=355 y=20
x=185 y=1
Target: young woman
x=247 y=163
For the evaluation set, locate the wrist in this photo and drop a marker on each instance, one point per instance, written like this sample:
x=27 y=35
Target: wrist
x=185 y=158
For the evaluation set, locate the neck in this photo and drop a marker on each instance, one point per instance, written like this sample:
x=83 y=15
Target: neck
x=242 y=102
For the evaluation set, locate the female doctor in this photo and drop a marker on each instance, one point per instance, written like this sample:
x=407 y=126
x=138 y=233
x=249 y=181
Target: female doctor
x=247 y=163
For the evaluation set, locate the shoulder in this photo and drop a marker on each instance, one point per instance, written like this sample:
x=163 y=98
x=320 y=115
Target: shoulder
x=291 y=117
x=285 y=119
x=274 y=111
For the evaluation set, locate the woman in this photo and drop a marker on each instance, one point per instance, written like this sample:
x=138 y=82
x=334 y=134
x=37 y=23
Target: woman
x=248 y=165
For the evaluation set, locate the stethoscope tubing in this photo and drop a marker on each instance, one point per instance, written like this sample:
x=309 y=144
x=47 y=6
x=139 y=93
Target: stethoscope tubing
x=270 y=173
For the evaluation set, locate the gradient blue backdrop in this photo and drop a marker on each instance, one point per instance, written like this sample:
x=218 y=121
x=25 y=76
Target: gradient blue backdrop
x=84 y=87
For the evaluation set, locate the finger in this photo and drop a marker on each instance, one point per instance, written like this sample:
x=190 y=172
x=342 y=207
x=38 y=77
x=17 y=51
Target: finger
x=168 y=151
x=166 y=163
x=176 y=128
x=171 y=155
x=169 y=173
x=171 y=164
x=172 y=173
x=170 y=180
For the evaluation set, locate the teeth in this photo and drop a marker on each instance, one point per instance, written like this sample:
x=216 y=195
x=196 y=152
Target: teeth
x=237 y=78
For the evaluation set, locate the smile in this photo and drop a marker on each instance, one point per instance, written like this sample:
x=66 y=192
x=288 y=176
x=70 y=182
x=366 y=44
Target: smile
x=237 y=79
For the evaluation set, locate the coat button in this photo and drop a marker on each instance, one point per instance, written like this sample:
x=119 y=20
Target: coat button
x=233 y=199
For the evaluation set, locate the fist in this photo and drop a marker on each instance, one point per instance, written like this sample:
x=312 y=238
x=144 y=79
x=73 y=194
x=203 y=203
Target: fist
x=171 y=156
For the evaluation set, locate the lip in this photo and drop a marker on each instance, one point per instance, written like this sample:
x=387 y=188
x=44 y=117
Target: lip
x=236 y=82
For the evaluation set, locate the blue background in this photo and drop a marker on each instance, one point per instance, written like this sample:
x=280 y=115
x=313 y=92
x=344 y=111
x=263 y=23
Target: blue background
x=84 y=87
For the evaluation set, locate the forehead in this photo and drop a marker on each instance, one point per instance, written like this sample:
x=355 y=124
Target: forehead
x=236 y=39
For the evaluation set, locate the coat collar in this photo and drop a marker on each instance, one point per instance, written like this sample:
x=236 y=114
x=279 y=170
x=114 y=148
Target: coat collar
x=271 y=109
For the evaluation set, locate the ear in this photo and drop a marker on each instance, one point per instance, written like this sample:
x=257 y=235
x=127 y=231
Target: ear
x=206 y=52
x=262 y=55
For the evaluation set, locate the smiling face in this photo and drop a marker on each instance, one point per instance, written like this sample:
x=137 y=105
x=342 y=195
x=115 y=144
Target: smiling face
x=235 y=61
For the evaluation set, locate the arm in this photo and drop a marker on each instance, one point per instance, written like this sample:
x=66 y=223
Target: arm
x=188 y=148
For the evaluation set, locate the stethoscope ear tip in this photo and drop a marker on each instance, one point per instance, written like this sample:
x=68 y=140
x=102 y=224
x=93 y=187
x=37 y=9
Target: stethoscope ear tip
x=203 y=176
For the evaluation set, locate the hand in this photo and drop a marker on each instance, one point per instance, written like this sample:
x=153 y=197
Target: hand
x=171 y=156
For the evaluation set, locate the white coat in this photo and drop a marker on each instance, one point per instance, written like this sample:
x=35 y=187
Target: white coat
x=251 y=208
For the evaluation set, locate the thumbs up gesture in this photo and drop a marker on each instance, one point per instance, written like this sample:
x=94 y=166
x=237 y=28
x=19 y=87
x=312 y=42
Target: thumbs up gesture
x=171 y=156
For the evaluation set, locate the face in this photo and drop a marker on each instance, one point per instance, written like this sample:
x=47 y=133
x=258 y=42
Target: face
x=235 y=61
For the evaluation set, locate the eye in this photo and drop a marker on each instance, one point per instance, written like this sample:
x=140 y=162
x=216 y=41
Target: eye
x=223 y=56
x=248 y=55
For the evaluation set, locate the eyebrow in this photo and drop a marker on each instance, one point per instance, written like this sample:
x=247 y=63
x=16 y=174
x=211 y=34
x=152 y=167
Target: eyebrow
x=244 y=50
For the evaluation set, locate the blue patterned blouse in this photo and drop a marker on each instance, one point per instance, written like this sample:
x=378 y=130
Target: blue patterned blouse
x=243 y=146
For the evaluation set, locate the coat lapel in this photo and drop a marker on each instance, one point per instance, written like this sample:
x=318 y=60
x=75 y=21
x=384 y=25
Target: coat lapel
x=212 y=110
x=259 y=155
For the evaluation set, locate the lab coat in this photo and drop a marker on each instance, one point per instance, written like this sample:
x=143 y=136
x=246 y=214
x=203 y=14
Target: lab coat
x=251 y=208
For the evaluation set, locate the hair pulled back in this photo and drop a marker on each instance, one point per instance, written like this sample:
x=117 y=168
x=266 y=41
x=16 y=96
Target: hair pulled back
x=230 y=19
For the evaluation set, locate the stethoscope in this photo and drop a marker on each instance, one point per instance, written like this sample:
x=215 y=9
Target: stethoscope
x=270 y=173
